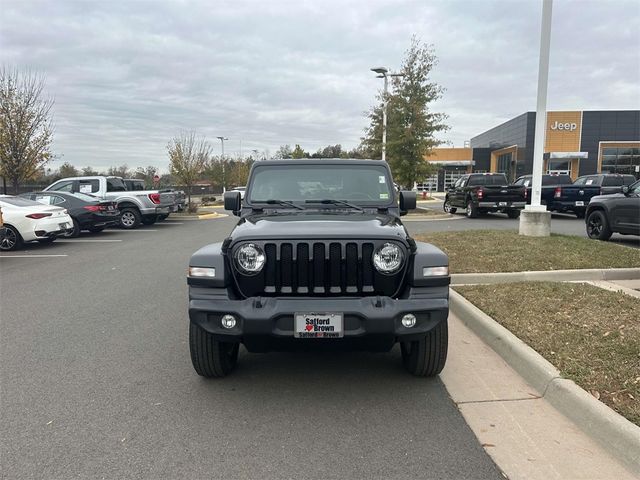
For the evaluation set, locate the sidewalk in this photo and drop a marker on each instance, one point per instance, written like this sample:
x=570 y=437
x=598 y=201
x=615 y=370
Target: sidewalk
x=525 y=436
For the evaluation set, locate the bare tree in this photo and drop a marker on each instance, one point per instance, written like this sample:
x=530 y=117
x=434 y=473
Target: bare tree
x=26 y=131
x=188 y=155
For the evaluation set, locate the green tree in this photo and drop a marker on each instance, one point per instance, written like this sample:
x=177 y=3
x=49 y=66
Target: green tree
x=283 y=152
x=89 y=172
x=121 y=171
x=26 y=130
x=146 y=173
x=188 y=156
x=411 y=124
x=298 y=152
x=67 y=170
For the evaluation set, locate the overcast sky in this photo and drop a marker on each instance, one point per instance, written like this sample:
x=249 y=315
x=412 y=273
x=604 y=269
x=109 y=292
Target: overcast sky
x=127 y=75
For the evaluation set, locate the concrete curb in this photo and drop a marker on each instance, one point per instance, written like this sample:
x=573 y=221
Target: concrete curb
x=547 y=276
x=616 y=434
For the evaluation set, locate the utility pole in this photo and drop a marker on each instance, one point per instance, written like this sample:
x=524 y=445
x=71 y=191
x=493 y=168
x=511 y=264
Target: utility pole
x=224 y=182
x=383 y=72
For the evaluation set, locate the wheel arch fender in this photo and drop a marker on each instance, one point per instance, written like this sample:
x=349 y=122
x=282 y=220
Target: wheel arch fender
x=209 y=256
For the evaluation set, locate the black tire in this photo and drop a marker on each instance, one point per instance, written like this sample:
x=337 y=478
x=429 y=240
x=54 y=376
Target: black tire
x=426 y=357
x=598 y=226
x=210 y=357
x=74 y=232
x=513 y=213
x=472 y=210
x=96 y=229
x=149 y=219
x=130 y=218
x=46 y=241
x=579 y=213
x=447 y=206
x=10 y=239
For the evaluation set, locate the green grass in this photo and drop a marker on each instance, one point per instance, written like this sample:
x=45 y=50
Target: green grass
x=591 y=335
x=479 y=251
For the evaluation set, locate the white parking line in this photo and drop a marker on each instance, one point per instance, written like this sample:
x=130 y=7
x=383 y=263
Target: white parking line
x=31 y=256
x=83 y=240
x=169 y=223
x=137 y=231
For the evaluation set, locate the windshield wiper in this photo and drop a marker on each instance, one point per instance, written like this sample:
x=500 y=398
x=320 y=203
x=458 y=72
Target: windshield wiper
x=282 y=202
x=330 y=201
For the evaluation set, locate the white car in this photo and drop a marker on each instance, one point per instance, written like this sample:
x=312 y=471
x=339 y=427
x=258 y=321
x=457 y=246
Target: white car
x=241 y=190
x=29 y=221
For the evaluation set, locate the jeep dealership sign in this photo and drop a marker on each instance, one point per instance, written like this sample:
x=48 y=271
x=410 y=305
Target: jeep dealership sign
x=563 y=126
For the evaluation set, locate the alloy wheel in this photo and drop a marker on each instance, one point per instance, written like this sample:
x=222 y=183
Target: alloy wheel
x=128 y=219
x=595 y=226
x=8 y=239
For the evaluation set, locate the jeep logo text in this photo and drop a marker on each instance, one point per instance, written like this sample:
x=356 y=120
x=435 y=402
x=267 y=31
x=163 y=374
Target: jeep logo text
x=564 y=126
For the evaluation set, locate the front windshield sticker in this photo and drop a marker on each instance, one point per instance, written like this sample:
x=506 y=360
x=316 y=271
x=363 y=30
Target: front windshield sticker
x=384 y=196
x=381 y=179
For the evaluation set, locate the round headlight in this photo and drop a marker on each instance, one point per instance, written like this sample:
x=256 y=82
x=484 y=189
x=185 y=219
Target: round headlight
x=250 y=259
x=388 y=258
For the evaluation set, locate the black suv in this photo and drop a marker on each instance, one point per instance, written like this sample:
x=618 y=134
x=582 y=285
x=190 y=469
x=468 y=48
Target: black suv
x=618 y=213
x=319 y=258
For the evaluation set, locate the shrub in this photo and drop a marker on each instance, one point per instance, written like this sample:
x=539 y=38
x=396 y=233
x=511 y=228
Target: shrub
x=192 y=208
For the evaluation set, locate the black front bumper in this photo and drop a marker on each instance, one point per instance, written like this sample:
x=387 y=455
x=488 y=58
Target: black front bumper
x=267 y=323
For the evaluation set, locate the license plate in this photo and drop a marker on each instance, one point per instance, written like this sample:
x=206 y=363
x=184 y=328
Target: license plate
x=579 y=204
x=502 y=204
x=318 y=325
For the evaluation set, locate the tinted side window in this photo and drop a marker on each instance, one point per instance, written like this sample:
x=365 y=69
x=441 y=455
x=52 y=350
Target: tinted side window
x=591 y=181
x=115 y=185
x=63 y=186
x=473 y=181
x=628 y=179
x=611 y=181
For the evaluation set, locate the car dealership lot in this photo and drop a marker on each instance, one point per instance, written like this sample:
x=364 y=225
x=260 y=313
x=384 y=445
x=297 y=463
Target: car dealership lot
x=96 y=381
x=96 y=378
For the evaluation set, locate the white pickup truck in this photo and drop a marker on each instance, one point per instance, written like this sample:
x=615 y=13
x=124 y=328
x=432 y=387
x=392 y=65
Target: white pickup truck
x=136 y=207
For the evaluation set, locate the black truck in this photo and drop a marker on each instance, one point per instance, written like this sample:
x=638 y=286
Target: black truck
x=319 y=259
x=560 y=194
x=607 y=183
x=485 y=192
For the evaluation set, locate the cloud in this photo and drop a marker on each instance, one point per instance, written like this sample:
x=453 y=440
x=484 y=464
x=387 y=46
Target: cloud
x=127 y=76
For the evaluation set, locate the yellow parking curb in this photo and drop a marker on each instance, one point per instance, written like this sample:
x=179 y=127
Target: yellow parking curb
x=208 y=216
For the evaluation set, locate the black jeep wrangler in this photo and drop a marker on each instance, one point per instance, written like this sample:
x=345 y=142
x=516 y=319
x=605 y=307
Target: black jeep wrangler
x=319 y=258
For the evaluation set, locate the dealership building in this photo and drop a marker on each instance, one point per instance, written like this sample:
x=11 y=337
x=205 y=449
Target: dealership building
x=576 y=143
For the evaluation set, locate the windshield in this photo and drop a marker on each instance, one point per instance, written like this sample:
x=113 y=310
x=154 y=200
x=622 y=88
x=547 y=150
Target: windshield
x=361 y=184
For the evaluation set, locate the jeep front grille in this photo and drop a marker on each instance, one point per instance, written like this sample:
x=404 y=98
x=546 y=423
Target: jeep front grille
x=322 y=268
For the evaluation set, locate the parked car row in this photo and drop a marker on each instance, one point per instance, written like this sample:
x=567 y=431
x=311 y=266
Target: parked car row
x=71 y=205
x=480 y=193
x=136 y=205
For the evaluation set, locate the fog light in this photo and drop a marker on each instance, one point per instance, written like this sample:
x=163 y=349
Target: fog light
x=228 y=321
x=409 y=320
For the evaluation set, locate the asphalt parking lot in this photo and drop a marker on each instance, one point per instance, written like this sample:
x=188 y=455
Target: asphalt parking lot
x=97 y=382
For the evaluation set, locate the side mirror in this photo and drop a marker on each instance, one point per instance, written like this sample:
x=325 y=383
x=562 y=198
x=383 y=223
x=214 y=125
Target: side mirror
x=407 y=202
x=625 y=189
x=232 y=202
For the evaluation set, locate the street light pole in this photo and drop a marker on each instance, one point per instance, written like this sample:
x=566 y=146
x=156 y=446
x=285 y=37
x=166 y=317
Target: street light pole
x=224 y=184
x=535 y=220
x=383 y=72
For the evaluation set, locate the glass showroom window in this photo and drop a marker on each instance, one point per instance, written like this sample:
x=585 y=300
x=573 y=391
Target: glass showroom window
x=620 y=160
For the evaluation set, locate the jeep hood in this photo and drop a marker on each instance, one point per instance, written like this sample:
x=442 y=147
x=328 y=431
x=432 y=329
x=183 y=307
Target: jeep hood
x=315 y=225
